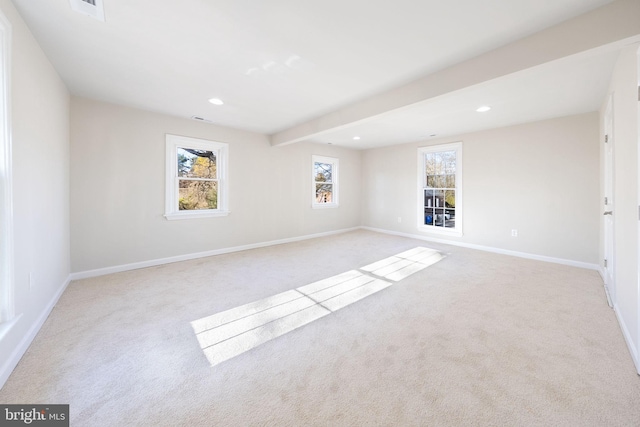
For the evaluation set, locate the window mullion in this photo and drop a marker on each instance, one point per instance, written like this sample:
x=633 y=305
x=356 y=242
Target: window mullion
x=183 y=178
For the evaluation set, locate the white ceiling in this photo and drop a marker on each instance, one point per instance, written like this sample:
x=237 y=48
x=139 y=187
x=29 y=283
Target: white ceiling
x=571 y=86
x=280 y=63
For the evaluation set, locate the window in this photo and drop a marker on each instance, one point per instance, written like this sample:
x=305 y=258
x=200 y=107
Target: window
x=439 y=187
x=197 y=182
x=325 y=182
x=7 y=308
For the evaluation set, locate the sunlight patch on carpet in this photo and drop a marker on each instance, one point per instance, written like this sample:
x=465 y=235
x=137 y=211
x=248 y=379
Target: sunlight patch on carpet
x=230 y=333
x=404 y=264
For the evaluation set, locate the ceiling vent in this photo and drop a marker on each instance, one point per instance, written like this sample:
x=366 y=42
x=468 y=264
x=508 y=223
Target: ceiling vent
x=201 y=119
x=93 y=8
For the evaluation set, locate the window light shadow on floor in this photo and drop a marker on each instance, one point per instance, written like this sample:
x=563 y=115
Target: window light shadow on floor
x=230 y=333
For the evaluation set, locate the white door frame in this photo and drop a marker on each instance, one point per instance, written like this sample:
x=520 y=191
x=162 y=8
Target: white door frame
x=638 y=168
x=608 y=205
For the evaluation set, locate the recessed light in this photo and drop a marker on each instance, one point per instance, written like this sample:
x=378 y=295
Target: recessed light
x=483 y=109
x=356 y=138
x=216 y=101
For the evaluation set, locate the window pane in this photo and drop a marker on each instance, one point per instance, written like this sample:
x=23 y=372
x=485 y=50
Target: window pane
x=449 y=220
x=450 y=181
x=450 y=198
x=439 y=220
x=322 y=172
x=429 y=215
x=195 y=195
x=197 y=163
x=324 y=193
x=438 y=167
x=448 y=162
x=428 y=199
x=439 y=198
x=430 y=163
x=441 y=181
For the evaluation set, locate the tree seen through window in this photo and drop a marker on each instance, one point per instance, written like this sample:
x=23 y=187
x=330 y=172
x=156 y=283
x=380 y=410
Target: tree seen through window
x=197 y=179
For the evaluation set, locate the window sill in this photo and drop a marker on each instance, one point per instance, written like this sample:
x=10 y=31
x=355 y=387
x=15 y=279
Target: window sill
x=194 y=214
x=439 y=230
x=325 y=205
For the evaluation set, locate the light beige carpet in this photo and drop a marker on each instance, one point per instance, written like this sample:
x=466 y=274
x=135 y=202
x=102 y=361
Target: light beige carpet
x=474 y=339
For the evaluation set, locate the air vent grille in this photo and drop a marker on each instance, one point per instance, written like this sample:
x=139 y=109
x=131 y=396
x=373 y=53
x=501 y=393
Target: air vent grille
x=201 y=119
x=92 y=8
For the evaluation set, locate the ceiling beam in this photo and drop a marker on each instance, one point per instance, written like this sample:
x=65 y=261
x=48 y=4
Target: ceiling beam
x=614 y=23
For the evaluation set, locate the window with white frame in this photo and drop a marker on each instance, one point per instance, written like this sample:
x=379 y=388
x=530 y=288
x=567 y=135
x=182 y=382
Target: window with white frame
x=325 y=182
x=196 y=178
x=7 y=307
x=440 y=188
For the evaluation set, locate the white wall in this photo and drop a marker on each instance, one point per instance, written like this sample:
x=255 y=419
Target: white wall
x=40 y=137
x=118 y=189
x=539 y=178
x=624 y=86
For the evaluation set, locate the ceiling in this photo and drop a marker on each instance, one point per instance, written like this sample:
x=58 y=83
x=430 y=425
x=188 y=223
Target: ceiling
x=571 y=86
x=280 y=63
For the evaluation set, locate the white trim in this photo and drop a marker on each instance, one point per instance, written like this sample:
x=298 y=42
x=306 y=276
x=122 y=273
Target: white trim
x=7 y=308
x=160 y=261
x=604 y=285
x=324 y=205
x=26 y=341
x=627 y=339
x=335 y=182
x=195 y=214
x=637 y=362
x=526 y=255
x=608 y=173
x=186 y=257
x=439 y=230
x=422 y=185
x=173 y=142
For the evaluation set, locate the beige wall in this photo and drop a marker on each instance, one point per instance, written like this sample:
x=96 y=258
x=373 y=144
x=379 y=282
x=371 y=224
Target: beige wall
x=539 y=178
x=624 y=84
x=118 y=189
x=40 y=138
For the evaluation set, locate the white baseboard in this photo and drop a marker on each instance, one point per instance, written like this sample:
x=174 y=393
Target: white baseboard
x=627 y=339
x=490 y=249
x=186 y=257
x=26 y=341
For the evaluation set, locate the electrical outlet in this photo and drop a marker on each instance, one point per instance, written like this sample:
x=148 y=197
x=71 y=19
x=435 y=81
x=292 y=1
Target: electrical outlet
x=514 y=233
x=399 y=219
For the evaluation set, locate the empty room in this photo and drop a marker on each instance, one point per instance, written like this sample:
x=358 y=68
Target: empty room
x=325 y=213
